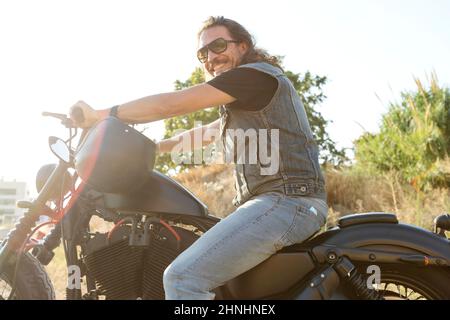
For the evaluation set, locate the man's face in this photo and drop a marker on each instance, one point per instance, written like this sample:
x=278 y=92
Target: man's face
x=221 y=62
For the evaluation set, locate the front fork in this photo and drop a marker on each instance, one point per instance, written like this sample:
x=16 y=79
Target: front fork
x=15 y=239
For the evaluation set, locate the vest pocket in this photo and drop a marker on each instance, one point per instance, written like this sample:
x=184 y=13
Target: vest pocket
x=298 y=162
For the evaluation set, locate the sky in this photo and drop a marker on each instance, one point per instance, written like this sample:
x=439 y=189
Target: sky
x=56 y=52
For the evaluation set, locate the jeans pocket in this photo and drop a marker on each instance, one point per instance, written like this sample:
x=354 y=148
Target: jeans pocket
x=306 y=222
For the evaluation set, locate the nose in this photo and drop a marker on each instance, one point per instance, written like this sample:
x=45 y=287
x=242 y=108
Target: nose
x=211 y=55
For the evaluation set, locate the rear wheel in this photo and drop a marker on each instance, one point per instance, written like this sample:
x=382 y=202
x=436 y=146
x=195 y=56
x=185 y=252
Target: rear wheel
x=402 y=282
x=31 y=281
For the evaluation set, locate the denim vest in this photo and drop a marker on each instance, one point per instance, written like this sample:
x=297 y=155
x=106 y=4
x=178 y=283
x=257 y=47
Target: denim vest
x=283 y=134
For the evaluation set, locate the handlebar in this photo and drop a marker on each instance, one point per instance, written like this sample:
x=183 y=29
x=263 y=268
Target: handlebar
x=65 y=120
x=77 y=114
x=60 y=116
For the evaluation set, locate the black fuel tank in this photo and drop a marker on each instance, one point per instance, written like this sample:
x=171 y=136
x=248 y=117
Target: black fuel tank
x=159 y=194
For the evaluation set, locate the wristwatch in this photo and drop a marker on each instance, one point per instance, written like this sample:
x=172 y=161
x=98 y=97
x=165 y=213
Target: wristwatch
x=113 y=111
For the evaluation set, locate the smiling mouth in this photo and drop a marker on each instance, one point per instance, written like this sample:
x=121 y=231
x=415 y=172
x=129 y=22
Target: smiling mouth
x=219 y=65
x=220 y=68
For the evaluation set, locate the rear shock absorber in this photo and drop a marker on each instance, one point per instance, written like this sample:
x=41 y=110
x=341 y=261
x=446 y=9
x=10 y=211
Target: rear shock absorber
x=355 y=280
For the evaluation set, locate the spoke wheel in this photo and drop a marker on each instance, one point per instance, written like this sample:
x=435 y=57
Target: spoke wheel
x=31 y=282
x=403 y=282
x=5 y=288
x=394 y=290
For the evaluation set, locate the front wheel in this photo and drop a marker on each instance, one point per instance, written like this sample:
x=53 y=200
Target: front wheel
x=403 y=282
x=32 y=281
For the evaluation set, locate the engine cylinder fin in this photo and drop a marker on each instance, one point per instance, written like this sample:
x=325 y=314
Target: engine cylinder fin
x=125 y=272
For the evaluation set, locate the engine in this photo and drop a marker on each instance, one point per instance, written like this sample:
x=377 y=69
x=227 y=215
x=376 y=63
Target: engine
x=123 y=271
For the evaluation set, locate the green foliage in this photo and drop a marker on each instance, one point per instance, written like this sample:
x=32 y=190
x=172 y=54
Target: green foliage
x=307 y=85
x=414 y=138
x=187 y=121
x=164 y=162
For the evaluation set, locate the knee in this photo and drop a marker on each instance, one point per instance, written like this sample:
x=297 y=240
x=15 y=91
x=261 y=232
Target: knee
x=171 y=275
x=176 y=284
x=180 y=284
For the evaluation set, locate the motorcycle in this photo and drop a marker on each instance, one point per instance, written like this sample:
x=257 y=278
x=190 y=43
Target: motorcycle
x=109 y=175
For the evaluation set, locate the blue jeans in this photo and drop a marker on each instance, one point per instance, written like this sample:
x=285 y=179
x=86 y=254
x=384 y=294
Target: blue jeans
x=251 y=234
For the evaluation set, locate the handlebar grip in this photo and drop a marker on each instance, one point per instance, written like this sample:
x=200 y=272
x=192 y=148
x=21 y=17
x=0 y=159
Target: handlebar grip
x=77 y=114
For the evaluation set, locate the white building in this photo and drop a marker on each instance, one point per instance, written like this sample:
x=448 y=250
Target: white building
x=10 y=193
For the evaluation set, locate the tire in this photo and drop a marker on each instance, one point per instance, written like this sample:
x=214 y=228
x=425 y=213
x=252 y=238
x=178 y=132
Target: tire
x=32 y=281
x=412 y=283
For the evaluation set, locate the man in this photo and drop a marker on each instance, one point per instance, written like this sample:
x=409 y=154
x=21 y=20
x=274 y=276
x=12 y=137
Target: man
x=276 y=209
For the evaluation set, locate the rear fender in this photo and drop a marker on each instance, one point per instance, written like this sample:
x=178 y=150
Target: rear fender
x=393 y=237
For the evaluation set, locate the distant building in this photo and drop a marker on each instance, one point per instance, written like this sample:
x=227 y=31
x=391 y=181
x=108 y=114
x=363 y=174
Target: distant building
x=10 y=193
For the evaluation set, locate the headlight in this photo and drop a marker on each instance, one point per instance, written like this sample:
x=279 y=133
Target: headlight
x=63 y=187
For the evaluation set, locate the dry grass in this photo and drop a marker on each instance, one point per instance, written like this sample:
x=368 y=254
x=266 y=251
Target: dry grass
x=57 y=271
x=348 y=191
x=214 y=185
x=352 y=192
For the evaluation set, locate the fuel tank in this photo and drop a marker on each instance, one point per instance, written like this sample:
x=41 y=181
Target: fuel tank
x=159 y=194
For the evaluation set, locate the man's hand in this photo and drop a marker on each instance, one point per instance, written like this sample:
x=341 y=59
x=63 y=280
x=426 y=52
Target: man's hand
x=83 y=115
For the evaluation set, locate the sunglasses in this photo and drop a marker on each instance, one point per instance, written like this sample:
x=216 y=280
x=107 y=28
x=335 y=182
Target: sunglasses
x=217 y=46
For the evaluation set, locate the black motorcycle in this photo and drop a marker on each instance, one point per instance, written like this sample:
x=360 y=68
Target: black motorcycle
x=109 y=175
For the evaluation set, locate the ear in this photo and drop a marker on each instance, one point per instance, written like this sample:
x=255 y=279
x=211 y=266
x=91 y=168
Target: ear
x=243 y=47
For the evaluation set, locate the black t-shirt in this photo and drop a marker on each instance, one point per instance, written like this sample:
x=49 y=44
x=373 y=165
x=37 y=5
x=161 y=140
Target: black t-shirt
x=252 y=89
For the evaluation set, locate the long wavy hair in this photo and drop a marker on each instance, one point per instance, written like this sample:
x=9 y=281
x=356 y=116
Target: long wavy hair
x=239 y=33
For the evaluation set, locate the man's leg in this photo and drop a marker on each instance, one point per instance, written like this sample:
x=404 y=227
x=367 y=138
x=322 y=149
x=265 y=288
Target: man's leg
x=250 y=235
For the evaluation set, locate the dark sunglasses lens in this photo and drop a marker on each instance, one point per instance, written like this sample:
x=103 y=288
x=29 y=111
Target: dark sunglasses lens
x=218 y=45
x=202 y=54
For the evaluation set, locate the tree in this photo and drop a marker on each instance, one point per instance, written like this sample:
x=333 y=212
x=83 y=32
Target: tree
x=164 y=162
x=414 y=138
x=309 y=87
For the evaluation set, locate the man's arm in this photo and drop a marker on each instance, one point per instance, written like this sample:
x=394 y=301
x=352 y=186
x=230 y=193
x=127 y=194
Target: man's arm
x=159 y=106
x=211 y=131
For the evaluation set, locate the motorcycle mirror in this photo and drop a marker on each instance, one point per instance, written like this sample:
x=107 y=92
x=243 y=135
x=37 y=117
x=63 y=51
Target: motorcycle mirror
x=59 y=149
